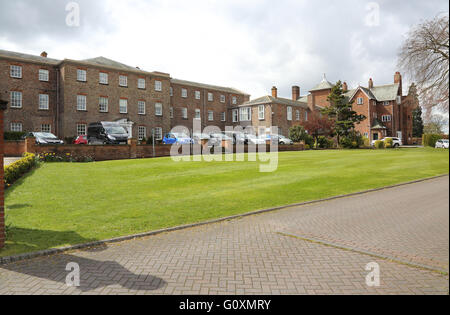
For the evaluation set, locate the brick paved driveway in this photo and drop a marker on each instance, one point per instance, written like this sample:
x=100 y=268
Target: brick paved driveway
x=270 y=253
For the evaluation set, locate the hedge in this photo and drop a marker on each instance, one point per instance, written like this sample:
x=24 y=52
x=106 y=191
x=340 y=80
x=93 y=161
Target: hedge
x=379 y=144
x=17 y=169
x=14 y=136
x=429 y=140
x=389 y=143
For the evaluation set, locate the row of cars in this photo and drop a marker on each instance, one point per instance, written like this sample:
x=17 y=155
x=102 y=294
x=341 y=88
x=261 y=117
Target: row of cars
x=216 y=139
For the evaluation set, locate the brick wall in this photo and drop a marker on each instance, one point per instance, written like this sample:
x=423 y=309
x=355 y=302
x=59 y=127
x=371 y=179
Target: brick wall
x=14 y=148
x=2 y=186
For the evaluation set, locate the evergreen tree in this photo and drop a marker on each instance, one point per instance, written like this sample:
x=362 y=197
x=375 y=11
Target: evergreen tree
x=417 y=123
x=341 y=111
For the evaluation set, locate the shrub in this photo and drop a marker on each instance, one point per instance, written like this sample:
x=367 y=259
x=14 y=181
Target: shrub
x=389 y=143
x=379 y=144
x=298 y=134
x=17 y=169
x=324 y=143
x=307 y=147
x=64 y=157
x=353 y=141
x=429 y=140
x=14 y=136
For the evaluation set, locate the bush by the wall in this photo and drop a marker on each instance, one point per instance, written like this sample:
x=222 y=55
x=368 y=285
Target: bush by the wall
x=352 y=141
x=429 y=140
x=17 y=169
x=379 y=144
x=389 y=143
x=324 y=143
x=307 y=147
x=14 y=136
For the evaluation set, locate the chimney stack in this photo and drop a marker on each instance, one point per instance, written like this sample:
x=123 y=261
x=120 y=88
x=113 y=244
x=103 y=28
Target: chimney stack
x=275 y=92
x=398 y=80
x=295 y=93
x=370 y=83
x=345 y=87
x=44 y=54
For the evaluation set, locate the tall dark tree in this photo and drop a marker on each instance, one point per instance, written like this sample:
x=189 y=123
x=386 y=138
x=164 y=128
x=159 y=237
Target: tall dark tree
x=341 y=112
x=417 y=123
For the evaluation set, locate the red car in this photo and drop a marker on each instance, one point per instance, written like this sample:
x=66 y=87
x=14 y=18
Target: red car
x=81 y=140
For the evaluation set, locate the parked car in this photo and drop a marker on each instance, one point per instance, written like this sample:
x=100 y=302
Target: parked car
x=107 y=133
x=397 y=141
x=217 y=138
x=198 y=137
x=252 y=139
x=236 y=136
x=281 y=139
x=45 y=138
x=442 y=144
x=177 y=138
x=81 y=140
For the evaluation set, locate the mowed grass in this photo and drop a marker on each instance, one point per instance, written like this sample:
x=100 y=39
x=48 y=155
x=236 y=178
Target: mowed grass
x=66 y=204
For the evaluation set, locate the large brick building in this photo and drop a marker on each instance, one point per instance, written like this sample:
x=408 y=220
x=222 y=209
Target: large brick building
x=64 y=96
x=388 y=112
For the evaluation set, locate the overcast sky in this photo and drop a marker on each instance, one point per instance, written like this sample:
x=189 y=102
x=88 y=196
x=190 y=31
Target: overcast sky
x=251 y=45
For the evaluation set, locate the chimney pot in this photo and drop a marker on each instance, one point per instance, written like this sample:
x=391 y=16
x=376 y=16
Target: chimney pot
x=370 y=83
x=44 y=54
x=275 y=92
x=295 y=93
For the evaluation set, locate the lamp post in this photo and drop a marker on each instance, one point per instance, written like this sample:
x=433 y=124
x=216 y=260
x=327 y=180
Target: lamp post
x=3 y=106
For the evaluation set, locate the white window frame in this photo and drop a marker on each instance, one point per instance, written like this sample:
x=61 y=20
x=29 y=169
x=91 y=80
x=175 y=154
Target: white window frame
x=198 y=95
x=81 y=103
x=289 y=113
x=198 y=114
x=171 y=113
x=298 y=115
x=223 y=98
x=223 y=116
x=44 y=102
x=245 y=114
x=386 y=118
x=80 y=128
x=141 y=107
x=123 y=80
x=184 y=93
x=16 y=127
x=386 y=103
x=184 y=113
x=158 y=86
x=142 y=132
x=44 y=75
x=234 y=100
x=210 y=97
x=261 y=112
x=235 y=114
x=103 y=104
x=45 y=129
x=158 y=133
x=159 y=109
x=15 y=72
x=81 y=75
x=16 y=99
x=360 y=101
x=142 y=84
x=210 y=115
x=103 y=78
x=123 y=104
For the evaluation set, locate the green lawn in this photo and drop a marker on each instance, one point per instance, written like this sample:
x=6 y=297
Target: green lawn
x=63 y=204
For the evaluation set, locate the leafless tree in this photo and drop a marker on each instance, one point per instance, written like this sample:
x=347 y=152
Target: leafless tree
x=424 y=57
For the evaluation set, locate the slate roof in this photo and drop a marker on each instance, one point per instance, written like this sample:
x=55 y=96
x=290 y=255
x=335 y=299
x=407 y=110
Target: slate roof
x=324 y=85
x=377 y=125
x=102 y=61
x=208 y=86
x=381 y=93
x=272 y=100
x=27 y=57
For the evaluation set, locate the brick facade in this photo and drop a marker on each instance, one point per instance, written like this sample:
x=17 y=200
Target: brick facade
x=63 y=88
